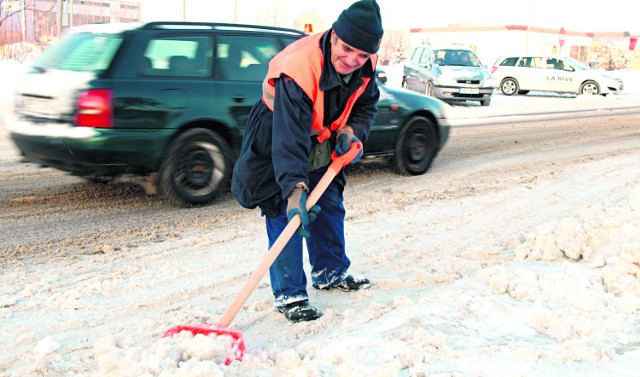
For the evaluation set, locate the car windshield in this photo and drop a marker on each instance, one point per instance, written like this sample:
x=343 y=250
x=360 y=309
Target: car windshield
x=458 y=57
x=82 y=52
x=576 y=64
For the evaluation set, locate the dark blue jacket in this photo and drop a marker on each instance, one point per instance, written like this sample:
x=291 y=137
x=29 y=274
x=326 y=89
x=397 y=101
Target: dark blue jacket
x=275 y=149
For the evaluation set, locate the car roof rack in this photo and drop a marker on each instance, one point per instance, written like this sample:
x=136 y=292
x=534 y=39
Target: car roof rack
x=216 y=26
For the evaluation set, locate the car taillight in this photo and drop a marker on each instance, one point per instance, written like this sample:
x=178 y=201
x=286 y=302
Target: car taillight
x=95 y=109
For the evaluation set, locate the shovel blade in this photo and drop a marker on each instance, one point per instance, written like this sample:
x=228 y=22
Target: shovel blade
x=238 y=347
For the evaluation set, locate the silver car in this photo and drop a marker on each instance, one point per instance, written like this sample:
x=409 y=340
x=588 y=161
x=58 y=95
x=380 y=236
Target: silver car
x=453 y=74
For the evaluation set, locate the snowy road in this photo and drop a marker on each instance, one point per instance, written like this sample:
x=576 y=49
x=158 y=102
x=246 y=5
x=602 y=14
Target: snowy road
x=454 y=291
x=517 y=254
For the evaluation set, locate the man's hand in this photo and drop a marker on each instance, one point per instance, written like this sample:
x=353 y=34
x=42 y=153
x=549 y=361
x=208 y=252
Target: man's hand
x=344 y=140
x=297 y=205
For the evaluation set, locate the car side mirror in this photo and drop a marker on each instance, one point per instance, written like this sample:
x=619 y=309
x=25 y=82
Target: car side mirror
x=381 y=77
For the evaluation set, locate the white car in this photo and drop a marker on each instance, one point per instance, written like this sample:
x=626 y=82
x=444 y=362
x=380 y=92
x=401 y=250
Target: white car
x=521 y=74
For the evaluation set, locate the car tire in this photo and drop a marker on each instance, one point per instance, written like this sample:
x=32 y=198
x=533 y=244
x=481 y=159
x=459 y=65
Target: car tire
x=416 y=147
x=196 y=169
x=590 y=87
x=486 y=102
x=428 y=89
x=509 y=87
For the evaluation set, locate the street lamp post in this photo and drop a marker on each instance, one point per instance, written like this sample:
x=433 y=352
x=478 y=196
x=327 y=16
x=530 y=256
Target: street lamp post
x=526 y=46
x=60 y=8
x=235 y=11
x=24 y=22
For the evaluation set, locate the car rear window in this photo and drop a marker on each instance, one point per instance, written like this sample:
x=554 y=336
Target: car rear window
x=82 y=52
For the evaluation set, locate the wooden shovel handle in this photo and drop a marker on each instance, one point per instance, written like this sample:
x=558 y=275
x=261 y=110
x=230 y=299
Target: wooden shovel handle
x=336 y=165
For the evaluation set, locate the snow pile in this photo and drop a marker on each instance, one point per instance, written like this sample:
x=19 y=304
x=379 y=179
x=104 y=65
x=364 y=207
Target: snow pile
x=183 y=354
x=22 y=52
x=589 y=302
x=606 y=237
x=568 y=294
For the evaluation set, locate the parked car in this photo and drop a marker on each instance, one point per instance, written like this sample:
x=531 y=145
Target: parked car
x=168 y=102
x=520 y=74
x=453 y=74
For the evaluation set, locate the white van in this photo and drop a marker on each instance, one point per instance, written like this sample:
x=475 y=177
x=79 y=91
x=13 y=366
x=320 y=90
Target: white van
x=521 y=74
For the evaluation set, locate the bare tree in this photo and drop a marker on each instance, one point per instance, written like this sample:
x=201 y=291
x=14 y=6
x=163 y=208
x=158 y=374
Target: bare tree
x=394 y=45
x=13 y=27
x=272 y=13
x=9 y=8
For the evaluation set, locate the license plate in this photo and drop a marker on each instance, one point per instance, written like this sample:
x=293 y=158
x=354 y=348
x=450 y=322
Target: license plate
x=469 y=90
x=35 y=106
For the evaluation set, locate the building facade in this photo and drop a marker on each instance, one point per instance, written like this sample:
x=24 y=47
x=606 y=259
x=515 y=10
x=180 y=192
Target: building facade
x=41 y=21
x=604 y=50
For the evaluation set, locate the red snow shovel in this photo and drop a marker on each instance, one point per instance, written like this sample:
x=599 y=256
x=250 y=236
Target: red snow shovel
x=220 y=329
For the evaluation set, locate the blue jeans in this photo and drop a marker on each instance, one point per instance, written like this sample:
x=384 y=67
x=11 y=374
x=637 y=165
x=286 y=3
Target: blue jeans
x=326 y=247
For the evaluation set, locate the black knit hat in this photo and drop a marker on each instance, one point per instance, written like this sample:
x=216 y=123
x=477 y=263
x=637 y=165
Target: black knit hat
x=360 y=26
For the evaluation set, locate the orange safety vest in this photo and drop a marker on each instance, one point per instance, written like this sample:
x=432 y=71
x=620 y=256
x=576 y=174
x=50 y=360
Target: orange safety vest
x=303 y=61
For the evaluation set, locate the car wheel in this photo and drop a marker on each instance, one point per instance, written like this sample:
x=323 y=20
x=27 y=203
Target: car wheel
x=509 y=87
x=486 y=102
x=428 y=89
x=416 y=147
x=196 y=169
x=590 y=87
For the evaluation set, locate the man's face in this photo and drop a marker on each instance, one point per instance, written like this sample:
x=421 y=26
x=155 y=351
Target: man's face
x=346 y=59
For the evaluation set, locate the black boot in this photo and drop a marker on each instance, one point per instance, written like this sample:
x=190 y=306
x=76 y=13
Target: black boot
x=351 y=284
x=300 y=311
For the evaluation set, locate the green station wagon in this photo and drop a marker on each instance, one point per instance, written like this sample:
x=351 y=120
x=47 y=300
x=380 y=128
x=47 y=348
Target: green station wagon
x=168 y=102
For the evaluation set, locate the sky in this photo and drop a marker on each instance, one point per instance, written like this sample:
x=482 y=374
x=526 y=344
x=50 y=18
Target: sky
x=616 y=15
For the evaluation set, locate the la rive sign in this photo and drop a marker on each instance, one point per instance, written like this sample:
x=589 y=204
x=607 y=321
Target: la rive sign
x=559 y=78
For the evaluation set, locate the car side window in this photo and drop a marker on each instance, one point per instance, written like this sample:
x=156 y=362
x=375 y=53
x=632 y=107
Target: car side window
x=417 y=53
x=425 y=57
x=553 y=63
x=188 y=56
x=244 y=58
x=559 y=64
x=288 y=41
x=530 y=62
x=509 y=62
